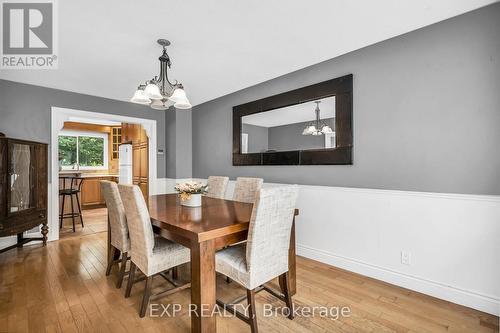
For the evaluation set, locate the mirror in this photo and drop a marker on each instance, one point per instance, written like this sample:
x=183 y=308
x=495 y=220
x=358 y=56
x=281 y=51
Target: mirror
x=311 y=125
x=304 y=126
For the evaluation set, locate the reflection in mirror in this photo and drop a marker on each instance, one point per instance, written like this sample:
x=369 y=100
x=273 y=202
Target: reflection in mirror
x=304 y=126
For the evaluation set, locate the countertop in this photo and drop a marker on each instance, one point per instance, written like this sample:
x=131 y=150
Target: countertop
x=87 y=175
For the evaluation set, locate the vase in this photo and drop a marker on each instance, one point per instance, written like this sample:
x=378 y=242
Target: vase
x=194 y=201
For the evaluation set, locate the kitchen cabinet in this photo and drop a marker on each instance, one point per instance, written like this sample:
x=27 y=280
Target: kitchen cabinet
x=91 y=196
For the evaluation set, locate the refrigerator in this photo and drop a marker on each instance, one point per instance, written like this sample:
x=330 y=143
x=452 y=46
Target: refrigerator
x=125 y=164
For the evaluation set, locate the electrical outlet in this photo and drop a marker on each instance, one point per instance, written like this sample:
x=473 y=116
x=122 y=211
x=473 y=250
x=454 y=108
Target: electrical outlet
x=405 y=257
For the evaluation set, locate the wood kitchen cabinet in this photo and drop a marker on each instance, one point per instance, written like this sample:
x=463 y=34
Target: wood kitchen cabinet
x=91 y=196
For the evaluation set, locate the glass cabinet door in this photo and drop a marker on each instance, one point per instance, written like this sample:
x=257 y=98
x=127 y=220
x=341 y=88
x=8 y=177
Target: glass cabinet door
x=21 y=177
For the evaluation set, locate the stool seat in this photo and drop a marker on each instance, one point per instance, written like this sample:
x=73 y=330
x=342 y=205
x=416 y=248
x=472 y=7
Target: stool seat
x=68 y=191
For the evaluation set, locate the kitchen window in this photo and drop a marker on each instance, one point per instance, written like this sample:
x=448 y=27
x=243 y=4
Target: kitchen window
x=83 y=150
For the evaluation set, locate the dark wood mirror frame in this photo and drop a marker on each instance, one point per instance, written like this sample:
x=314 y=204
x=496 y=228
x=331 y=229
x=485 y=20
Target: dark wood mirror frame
x=340 y=87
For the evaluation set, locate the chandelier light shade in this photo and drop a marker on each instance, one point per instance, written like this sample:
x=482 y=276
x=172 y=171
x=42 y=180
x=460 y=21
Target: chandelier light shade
x=178 y=95
x=184 y=105
x=139 y=97
x=317 y=128
x=152 y=91
x=158 y=91
x=326 y=130
x=158 y=104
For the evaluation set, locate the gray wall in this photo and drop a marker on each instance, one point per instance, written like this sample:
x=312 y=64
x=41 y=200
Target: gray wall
x=25 y=113
x=426 y=113
x=257 y=137
x=184 y=143
x=289 y=137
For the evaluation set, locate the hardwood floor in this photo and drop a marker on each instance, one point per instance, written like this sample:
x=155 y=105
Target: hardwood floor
x=63 y=288
x=95 y=220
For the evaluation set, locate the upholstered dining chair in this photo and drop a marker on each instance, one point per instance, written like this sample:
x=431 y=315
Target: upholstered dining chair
x=217 y=186
x=152 y=255
x=246 y=188
x=265 y=254
x=118 y=228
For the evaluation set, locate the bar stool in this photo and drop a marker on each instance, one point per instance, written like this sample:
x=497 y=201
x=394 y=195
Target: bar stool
x=75 y=187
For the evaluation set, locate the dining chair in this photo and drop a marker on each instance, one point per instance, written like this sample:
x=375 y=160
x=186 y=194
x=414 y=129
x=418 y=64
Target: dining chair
x=151 y=255
x=265 y=254
x=246 y=188
x=118 y=229
x=217 y=186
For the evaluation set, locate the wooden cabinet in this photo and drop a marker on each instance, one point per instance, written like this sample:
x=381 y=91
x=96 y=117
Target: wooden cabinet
x=23 y=188
x=91 y=196
x=116 y=139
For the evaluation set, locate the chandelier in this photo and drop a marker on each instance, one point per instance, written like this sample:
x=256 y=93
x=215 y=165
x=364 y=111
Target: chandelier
x=159 y=93
x=317 y=127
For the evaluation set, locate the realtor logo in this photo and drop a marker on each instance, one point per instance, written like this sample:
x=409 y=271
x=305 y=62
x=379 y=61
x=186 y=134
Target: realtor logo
x=28 y=34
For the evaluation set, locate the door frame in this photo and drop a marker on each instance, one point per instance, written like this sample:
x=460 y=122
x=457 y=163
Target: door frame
x=58 y=117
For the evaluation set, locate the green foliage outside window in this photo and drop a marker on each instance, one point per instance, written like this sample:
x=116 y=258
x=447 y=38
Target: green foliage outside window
x=67 y=150
x=86 y=150
x=90 y=151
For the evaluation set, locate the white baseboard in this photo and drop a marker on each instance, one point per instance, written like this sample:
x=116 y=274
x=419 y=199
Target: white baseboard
x=467 y=298
x=7 y=241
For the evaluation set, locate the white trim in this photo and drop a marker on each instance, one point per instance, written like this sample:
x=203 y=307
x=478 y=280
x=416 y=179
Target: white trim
x=166 y=185
x=57 y=119
x=75 y=133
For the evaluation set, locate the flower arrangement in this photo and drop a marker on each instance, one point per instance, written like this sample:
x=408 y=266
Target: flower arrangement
x=188 y=188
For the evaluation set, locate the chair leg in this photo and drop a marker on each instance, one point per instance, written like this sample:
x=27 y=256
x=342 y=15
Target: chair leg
x=228 y=280
x=286 y=291
x=79 y=209
x=111 y=256
x=175 y=273
x=252 y=316
x=145 y=297
x=122 y=270
x=131 y=278
x=72 y=212
x=62 y=211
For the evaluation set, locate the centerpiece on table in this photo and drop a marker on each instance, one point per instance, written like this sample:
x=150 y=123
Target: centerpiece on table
x=190 y=193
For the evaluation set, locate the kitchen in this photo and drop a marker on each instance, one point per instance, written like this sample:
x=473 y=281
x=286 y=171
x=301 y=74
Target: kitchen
x=91 y=150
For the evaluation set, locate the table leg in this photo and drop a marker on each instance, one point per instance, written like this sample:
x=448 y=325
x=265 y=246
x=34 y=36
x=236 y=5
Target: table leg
x=291 y=265
x=203 y=287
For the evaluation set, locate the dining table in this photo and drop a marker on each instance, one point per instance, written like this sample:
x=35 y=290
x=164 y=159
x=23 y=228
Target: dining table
x=216 y=224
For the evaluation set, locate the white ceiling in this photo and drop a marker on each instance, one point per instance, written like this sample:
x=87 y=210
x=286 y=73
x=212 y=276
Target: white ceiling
x=292 y=114
x=218 y=46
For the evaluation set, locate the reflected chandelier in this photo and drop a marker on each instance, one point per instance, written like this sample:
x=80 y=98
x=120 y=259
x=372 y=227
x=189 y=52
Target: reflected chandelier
x=159 y=93
x=316 y=127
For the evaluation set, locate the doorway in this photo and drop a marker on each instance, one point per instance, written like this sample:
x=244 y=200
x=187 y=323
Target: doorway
x=99 y=131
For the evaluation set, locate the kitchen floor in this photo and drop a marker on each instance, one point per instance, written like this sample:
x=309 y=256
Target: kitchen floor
x=94 y=221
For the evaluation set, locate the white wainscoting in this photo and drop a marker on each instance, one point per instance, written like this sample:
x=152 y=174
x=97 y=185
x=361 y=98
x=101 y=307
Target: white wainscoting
x=453 y=238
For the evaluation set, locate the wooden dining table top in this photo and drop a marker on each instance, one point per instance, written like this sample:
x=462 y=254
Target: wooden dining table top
x=214 y=218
